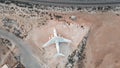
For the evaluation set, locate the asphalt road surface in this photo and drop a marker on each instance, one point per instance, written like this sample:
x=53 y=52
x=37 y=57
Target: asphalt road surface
x=27 y=56
x=71 y=2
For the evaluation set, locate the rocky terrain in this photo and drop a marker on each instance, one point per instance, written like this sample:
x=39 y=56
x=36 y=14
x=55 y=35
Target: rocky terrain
x=6 y=55
x=94 y=34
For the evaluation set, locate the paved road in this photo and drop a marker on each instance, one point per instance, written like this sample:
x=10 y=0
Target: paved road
x=27 y=56
x=73 y=1
x=82 y=3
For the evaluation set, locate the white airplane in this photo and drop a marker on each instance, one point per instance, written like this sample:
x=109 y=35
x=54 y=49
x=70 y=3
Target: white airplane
x=56 y=39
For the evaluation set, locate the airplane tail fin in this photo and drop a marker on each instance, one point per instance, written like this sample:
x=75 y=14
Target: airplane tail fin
x=59 y=54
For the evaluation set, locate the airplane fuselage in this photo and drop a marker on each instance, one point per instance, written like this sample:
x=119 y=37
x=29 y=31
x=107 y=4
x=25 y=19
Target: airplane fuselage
x=57 y=40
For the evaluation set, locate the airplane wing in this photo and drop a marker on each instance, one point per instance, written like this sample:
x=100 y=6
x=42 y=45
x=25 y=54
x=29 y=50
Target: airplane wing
x=60 y=39
x=49 y=42
x=54 y=39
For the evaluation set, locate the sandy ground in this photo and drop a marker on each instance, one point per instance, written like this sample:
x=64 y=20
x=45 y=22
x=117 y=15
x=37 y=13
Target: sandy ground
x=103 y=42
x=39 y=37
